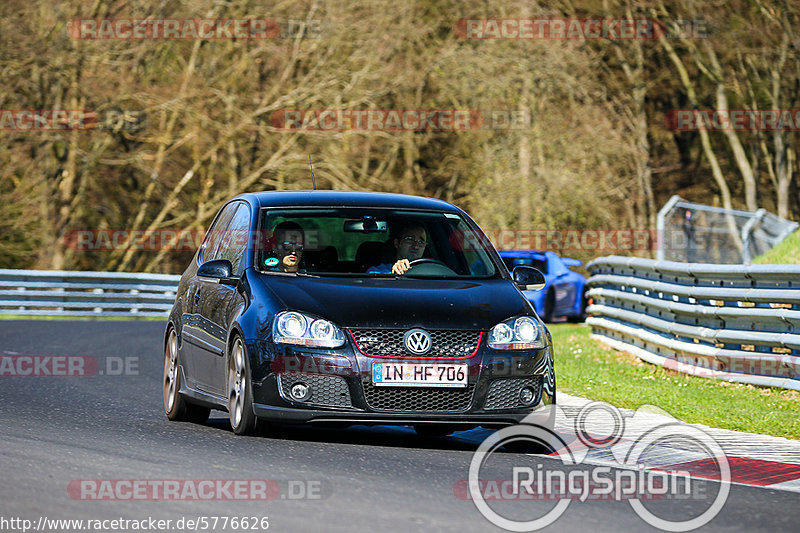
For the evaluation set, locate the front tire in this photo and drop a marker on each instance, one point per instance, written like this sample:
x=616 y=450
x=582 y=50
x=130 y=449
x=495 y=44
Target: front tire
x=175 y=406
x=581 y=317
x=240 y=396
x=548 y=440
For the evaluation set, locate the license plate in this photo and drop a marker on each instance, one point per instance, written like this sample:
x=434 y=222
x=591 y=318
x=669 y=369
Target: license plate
x=419 y=375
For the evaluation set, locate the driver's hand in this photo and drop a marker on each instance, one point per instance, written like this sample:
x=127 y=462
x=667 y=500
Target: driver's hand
x=401 y=267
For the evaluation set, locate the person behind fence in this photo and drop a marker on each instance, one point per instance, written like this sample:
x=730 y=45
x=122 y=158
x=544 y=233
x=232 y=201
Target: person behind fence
x=410 y=244
x=288 y=248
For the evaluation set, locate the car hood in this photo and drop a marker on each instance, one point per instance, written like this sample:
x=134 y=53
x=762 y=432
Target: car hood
x=401 y=303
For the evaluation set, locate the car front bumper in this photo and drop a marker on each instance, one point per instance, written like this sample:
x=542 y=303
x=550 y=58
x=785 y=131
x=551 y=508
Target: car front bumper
x=311 y=415
x=342 y=391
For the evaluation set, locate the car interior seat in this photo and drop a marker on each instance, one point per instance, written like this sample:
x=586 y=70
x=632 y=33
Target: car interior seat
x=374 y=253
x=325 y=259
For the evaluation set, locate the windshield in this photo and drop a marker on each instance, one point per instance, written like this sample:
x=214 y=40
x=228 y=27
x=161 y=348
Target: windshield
x=369 y=242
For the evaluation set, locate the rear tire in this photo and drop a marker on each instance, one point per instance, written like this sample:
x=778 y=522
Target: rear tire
x=175 y=406
x=240 y=396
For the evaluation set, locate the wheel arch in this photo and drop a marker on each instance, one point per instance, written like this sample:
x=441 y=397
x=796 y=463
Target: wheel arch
x=171 y=326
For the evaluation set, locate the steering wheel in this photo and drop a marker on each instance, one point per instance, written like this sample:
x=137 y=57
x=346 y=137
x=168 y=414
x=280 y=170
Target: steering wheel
x=424 y=260
x=427 y=266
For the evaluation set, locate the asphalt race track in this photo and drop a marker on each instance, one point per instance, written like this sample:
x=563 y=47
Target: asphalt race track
x=58 y=430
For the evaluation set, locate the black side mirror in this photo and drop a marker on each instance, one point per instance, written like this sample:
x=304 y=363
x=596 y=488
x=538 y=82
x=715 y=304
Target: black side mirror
x=217 y=271
x=528 y=278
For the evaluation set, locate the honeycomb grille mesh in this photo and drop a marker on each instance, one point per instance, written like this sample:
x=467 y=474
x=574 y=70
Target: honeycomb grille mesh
x=329 y=391
x=389 y=342
x=504 y=393
x=418 y=398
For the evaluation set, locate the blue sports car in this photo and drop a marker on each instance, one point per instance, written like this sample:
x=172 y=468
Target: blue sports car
x=564 y=291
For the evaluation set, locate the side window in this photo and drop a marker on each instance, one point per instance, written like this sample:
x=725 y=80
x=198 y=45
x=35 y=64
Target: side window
x=216 y=233
x=233 y=246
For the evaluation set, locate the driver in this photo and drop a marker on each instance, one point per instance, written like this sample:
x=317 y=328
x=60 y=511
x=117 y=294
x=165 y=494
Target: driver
x=410 y=244
x=288 y=247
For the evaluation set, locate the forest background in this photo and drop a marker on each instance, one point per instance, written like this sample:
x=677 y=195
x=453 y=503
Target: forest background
x=184 y=124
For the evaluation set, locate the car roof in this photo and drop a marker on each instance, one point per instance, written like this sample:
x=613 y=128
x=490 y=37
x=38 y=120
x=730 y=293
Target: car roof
x=346 y=199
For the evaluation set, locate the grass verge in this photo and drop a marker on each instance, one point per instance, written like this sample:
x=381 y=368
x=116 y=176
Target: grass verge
x=587 y=368
x=786 y=253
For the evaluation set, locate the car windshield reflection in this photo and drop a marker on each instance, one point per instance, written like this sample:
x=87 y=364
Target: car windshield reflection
x=360 y=242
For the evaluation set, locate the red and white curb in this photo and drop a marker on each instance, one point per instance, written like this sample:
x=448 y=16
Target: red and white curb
x=754 y=460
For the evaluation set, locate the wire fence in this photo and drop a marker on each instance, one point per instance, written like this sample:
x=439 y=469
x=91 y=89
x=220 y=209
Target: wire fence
x=697 y=233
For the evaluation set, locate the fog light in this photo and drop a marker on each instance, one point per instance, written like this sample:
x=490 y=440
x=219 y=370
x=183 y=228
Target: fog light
x=526 y=395
x=300 y=391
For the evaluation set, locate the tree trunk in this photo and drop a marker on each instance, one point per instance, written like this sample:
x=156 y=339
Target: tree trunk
x=708 y=150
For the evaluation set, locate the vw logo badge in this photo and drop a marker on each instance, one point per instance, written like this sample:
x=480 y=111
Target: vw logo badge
x=417 y=341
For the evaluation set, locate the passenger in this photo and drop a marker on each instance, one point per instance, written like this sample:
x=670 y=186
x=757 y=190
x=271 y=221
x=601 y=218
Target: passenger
x=289 y=239
x=410 y=245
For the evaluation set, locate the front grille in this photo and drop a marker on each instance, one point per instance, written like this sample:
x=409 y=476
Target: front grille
x=329 y=391
x=418 y=398
x=389 y=342
x=504 y=393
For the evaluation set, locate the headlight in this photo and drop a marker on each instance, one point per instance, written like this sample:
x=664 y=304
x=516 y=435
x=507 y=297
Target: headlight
x=291 y=327
x=522 y=333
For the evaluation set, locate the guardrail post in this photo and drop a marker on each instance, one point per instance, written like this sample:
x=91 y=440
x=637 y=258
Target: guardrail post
x=662 y=213
x=747 y=230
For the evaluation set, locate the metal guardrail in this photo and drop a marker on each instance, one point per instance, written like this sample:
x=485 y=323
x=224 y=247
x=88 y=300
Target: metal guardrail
x=732 y=322
x=104 y=294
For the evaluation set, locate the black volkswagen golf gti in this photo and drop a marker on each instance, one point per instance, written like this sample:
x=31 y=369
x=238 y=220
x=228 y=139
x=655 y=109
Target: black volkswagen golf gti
x=361 y=308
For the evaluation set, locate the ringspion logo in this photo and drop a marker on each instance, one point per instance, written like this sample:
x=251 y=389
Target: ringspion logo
x=634 y=473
